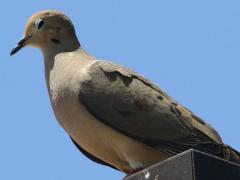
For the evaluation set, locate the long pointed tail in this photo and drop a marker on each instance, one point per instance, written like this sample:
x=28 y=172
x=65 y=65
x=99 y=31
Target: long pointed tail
x=231 y=154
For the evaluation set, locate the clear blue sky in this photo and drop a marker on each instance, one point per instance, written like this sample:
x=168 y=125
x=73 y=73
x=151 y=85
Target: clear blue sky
x=190 y=48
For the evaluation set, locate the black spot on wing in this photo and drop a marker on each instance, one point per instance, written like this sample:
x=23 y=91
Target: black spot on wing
x=174 y=103
x=110 y=76
x=113 y=76
x=160 y=97
x=175 y=110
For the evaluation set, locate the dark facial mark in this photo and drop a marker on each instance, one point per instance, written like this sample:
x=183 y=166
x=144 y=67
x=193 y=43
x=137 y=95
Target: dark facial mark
x=56 y=41
x=175 y=111
x=198 y=119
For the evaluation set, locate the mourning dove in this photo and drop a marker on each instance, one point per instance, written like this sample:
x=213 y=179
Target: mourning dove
x=113 y=115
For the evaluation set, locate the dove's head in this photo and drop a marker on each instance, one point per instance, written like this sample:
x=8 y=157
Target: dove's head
x=49 y=31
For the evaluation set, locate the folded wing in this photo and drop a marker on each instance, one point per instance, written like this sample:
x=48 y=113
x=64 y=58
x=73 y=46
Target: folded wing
x=134 y=106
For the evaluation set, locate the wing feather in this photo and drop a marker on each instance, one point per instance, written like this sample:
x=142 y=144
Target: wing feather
x=134 y=106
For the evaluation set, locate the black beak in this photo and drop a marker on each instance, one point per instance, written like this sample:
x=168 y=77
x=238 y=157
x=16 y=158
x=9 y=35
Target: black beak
x=20 y=45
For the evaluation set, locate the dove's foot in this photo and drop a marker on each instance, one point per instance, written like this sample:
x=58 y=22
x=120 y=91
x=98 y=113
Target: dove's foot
x=133 y=172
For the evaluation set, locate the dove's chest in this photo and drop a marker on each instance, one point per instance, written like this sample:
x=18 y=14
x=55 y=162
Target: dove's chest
x=64 y=78
x=90 y=133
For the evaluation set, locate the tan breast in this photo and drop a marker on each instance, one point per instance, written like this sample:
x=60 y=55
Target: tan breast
x=102 y=141
x=91 y=134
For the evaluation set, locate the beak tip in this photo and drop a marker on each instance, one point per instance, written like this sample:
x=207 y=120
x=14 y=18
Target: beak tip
x=13 y=51
x=20 y=45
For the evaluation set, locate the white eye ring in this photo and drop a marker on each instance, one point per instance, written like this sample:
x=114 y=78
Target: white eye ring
x=39 y=23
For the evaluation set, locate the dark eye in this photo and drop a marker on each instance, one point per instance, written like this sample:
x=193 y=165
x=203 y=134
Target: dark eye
x=39 y=24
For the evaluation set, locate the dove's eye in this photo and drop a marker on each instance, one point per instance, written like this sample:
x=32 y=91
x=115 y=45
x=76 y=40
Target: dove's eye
x=39 y=24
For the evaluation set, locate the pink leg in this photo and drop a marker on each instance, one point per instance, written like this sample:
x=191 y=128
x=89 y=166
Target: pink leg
x=133 y=172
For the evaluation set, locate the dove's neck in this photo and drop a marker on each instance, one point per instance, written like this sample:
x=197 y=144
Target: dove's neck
x=52 y=50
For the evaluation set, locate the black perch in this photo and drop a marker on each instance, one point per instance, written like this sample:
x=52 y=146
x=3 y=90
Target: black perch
x=190 y=165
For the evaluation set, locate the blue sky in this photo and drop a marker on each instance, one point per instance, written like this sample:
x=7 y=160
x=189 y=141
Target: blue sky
x=190 y=48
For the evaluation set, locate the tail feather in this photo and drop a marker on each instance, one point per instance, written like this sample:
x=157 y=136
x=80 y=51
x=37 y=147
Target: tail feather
x=231 y=154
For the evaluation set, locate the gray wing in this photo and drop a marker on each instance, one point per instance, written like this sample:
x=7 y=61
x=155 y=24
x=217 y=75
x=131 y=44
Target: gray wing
x=136 y=107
